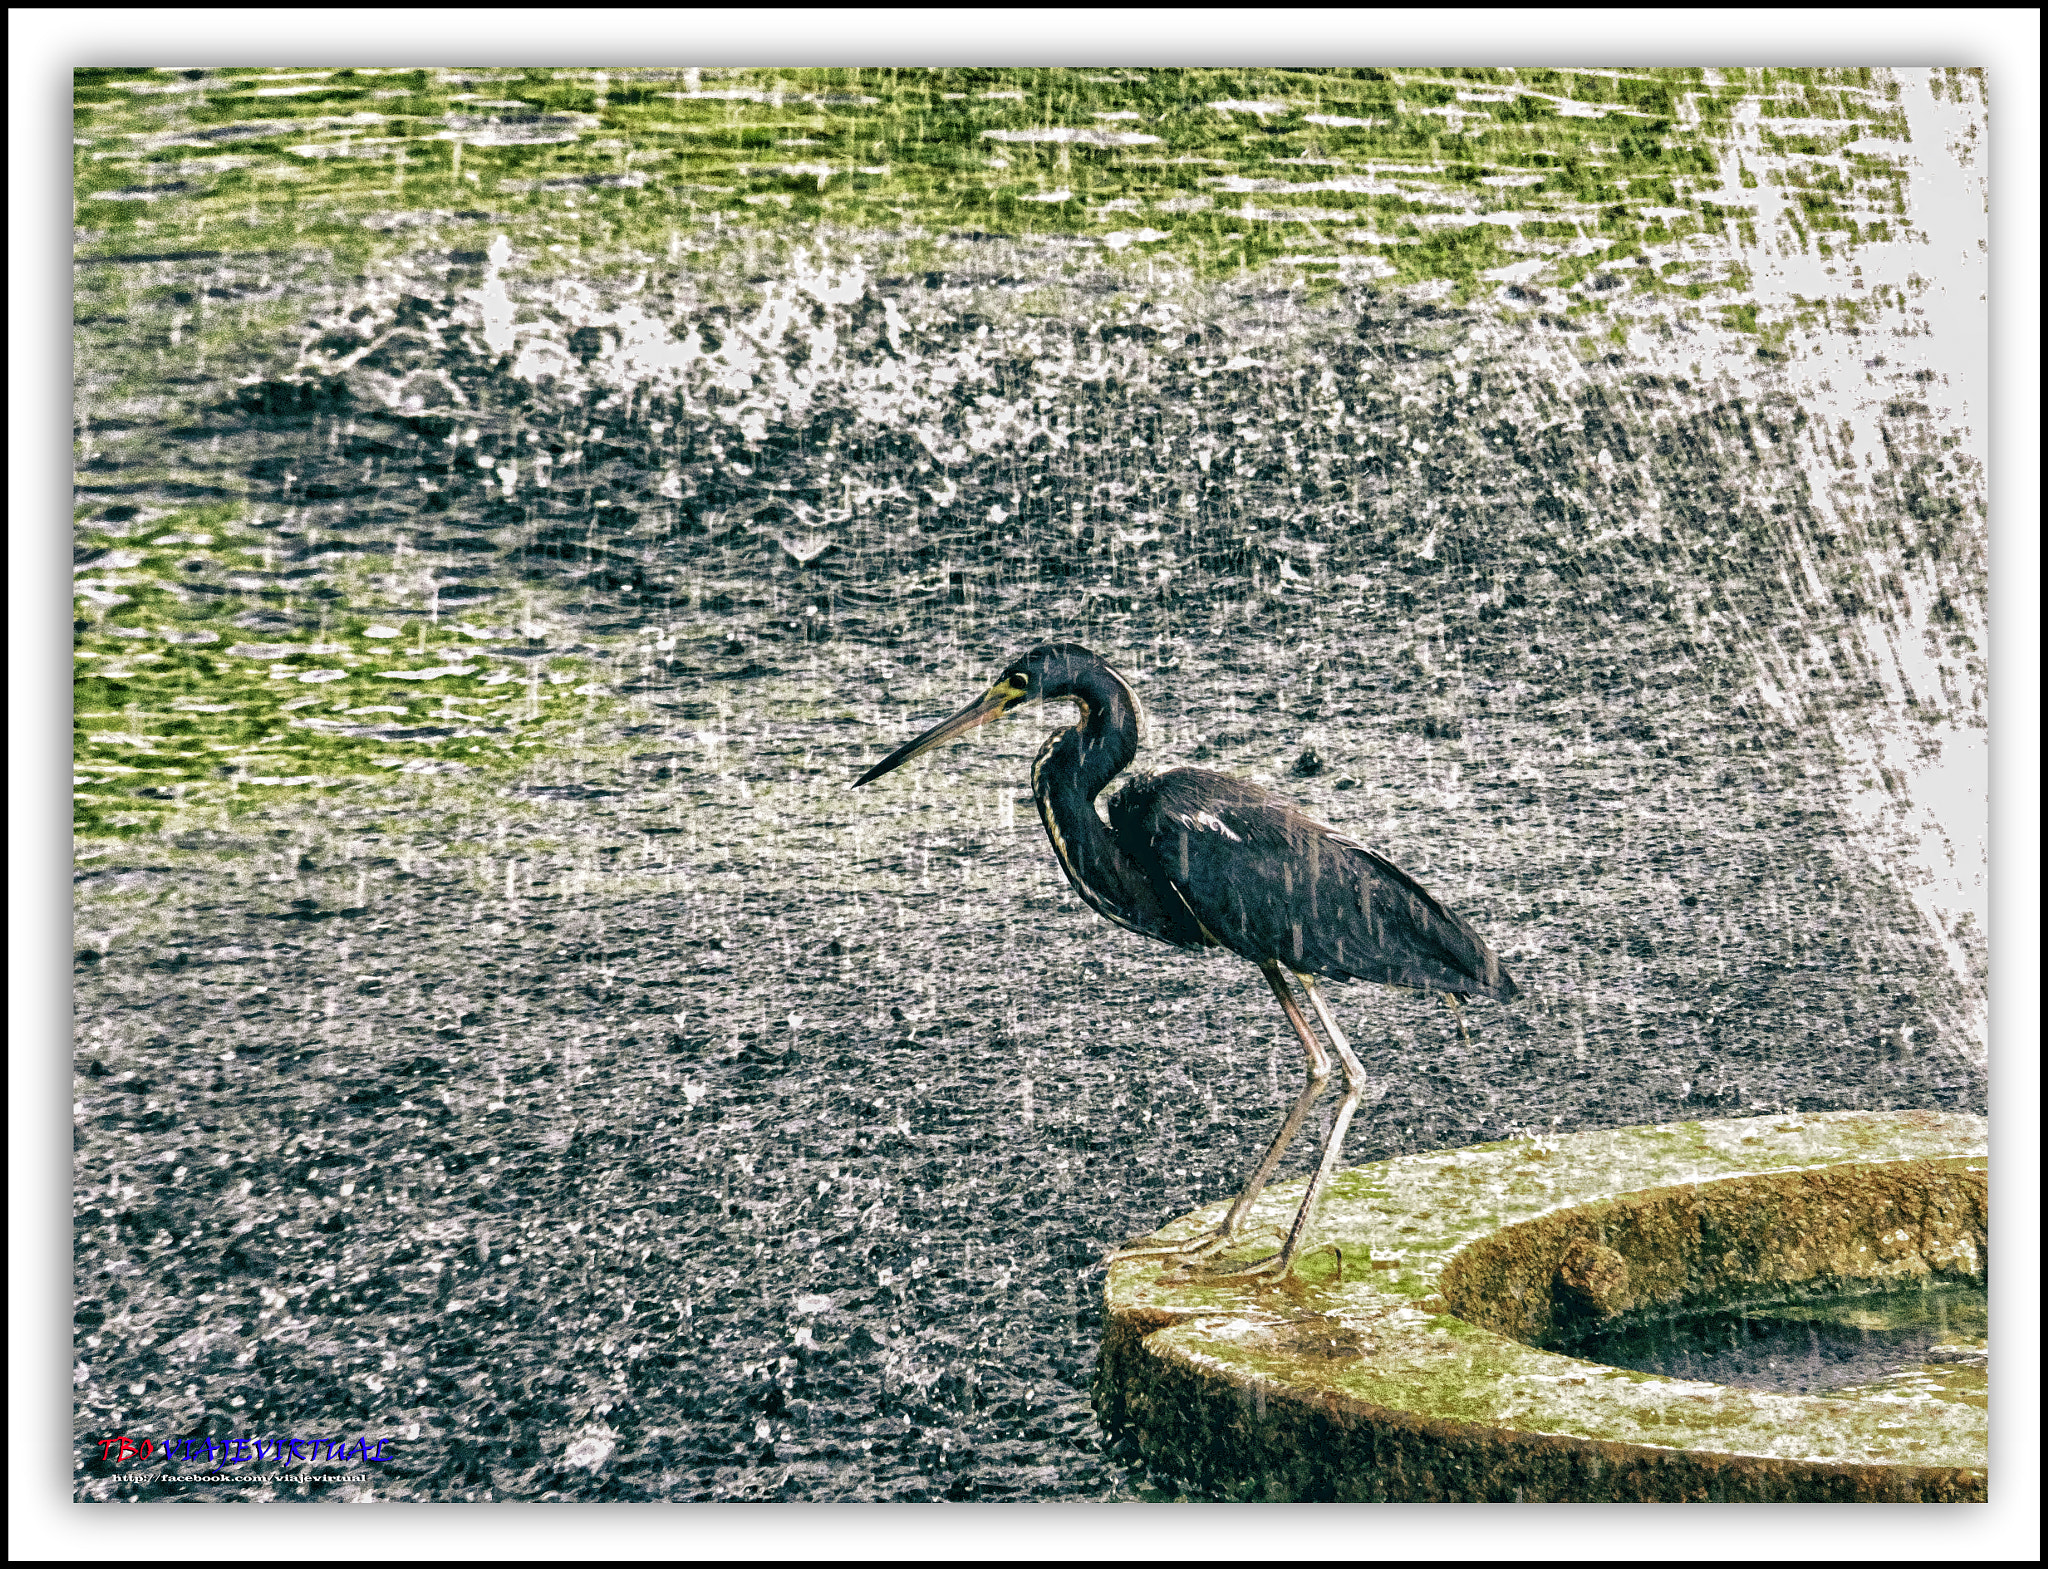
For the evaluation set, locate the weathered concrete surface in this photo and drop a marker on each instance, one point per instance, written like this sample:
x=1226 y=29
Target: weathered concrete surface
x=1414 y=1370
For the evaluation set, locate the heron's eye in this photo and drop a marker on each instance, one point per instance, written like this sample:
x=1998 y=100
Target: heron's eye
x=1020 y=678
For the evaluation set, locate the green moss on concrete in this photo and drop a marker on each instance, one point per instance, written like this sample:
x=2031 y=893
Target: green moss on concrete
x=1419 y=1374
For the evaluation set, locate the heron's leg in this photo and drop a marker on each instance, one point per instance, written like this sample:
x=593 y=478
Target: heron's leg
x=1333 y=1147
x=1458 y=1013
x=1297 y=1114
x=1318 y=1078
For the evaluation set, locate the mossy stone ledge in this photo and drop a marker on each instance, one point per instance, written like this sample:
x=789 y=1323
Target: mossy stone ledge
x=1409 y=1364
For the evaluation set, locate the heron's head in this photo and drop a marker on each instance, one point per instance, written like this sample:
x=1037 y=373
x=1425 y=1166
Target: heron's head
x=1044 y=673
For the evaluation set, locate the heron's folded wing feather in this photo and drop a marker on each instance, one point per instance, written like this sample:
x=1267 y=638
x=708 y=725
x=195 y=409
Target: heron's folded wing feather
x=1268 y=881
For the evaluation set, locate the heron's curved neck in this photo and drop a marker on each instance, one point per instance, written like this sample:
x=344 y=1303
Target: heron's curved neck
x=1079 y=762
x=1071 y=770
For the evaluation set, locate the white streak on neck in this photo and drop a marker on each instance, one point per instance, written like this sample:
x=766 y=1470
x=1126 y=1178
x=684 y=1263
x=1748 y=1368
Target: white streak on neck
x=1137 y=708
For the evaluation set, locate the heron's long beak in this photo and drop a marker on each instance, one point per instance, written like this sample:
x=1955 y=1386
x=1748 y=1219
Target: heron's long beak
x=990 y=705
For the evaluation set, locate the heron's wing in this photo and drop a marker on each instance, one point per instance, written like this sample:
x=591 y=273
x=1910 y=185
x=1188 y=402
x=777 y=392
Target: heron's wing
x=1269 y=882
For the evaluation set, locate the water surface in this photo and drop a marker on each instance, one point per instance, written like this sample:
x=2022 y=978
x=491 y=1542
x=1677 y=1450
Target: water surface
x=1897 y=1346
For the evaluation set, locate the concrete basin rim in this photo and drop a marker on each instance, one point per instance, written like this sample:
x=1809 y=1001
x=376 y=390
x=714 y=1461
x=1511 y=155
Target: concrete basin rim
x=1402 y=1324
x=1338 y=1402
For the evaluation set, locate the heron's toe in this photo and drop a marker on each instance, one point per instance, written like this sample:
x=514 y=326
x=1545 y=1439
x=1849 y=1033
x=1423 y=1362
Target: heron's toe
x=1197 y=1246
x=1272 y=1266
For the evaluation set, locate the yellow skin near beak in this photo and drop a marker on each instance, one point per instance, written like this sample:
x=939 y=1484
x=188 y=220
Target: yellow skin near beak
x=992 y=704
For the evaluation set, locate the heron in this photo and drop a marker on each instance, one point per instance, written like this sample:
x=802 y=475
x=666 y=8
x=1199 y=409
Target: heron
x=1204 y=860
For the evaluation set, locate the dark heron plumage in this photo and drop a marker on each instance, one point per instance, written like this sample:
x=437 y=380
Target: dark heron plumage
x=1202 y=860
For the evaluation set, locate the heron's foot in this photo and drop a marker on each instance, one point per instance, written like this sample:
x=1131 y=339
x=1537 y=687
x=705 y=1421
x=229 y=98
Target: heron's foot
x=1207 y=1267
x=1200 y=1245
x=1272 y=1266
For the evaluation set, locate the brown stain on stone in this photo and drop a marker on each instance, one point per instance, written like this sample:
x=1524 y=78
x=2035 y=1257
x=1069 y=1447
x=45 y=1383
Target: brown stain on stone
x=1592 y=1277
x=1321 y=1340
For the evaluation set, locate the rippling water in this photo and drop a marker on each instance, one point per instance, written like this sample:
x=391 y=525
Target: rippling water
x=1899 y=1347
x=500 y=1032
